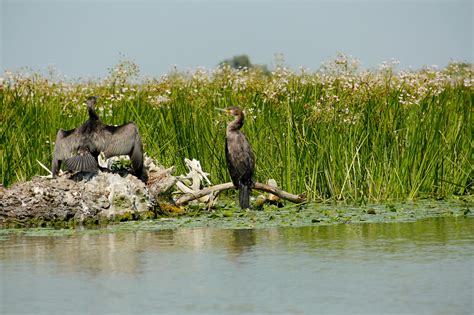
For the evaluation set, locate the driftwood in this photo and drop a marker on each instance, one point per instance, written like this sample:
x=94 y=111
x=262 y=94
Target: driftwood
x=258 y=186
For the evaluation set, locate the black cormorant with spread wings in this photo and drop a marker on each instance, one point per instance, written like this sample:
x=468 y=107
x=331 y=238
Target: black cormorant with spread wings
x=79 y=148
x=239 y=156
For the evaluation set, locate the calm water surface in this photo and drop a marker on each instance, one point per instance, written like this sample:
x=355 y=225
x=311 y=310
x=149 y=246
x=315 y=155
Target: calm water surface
x=410 y=268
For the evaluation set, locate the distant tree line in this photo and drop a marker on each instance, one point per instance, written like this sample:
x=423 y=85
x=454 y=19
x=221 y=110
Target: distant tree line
x=243 y=61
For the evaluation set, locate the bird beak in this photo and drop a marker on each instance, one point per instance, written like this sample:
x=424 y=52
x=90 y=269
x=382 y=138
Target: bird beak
x=221 y=109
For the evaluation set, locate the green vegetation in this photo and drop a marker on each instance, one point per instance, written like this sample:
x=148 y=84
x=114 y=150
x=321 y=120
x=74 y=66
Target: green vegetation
x=227 y=216
x=336 y=134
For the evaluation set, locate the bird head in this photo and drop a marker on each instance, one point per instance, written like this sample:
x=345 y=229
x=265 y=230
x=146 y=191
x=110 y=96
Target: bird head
x=233 y=111
x=91 y=101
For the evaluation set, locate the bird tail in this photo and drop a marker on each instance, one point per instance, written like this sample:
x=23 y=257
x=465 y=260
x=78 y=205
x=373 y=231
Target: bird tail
x=82 y=163
x=244 y=196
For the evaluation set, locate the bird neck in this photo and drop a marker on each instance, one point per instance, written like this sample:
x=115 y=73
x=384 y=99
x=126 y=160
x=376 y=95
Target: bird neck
x=237 y=123
x=92 y=113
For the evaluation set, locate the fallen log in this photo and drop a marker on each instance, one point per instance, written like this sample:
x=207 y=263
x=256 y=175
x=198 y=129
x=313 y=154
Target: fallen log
x=184 y=199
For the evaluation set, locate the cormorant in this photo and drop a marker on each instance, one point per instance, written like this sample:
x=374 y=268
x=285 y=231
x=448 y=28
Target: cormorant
x=79 y=148
x=239 y=156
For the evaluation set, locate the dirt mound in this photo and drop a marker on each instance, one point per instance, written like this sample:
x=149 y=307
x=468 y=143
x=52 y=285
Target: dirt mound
x=83 y=198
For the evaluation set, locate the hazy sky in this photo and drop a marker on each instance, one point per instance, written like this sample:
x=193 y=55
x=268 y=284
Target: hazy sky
x=85 y=38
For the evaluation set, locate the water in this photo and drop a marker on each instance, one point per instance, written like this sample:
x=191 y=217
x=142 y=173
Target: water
x=404 y=268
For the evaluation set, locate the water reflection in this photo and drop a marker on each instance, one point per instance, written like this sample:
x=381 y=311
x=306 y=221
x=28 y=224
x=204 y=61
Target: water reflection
x=122 y=252
x=418 y=267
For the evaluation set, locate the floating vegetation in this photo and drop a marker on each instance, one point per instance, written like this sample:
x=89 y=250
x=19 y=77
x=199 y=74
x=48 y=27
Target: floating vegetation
x=230 y=216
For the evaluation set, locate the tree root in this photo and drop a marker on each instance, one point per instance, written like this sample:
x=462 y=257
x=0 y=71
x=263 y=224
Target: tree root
x=184 y=199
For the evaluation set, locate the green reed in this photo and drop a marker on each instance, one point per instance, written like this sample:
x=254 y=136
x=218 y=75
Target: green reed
x=359 y=137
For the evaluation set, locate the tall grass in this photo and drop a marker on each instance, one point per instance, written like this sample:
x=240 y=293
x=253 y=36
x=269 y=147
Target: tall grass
x=338 y=133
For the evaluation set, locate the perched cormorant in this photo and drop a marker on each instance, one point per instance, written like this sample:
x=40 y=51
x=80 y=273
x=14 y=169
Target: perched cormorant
x=239 y=155
x=79 y=148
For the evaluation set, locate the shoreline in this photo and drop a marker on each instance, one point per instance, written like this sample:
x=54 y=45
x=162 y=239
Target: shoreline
x=311 y=214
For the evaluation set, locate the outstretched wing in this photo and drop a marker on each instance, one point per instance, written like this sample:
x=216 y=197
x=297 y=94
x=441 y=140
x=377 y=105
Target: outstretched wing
x=122 y=140
x=67 y=143
x=115 y=141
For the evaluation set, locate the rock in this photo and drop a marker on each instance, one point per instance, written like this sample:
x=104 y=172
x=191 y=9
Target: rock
x=83 y=197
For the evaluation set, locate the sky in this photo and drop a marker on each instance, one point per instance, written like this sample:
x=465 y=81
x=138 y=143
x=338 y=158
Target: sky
x=84 y=38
